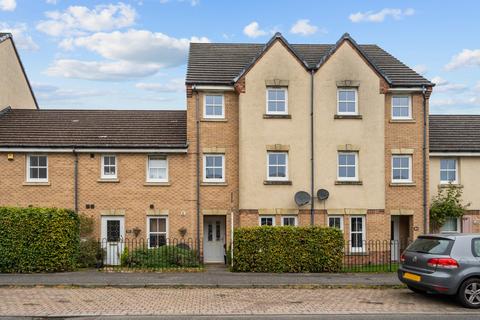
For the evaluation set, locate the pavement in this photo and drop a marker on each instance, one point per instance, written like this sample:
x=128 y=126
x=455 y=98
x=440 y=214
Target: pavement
x=220 y=303
x=213 y=277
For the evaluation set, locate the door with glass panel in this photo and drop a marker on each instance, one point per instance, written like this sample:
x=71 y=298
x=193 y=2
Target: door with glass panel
x=113 y=238
x=214 y=239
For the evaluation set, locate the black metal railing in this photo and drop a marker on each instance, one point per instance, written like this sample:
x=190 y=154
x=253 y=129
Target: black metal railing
x=148 y=254
x=373 y=255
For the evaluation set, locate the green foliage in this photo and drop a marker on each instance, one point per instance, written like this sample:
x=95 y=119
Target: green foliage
x=287 y=249
x=90 y=253
x=161 y=257
x=447 y=204
x=86 y=226
x=38 y=239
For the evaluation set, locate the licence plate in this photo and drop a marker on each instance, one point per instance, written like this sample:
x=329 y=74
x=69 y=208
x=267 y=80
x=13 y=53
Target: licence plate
x=411 y=276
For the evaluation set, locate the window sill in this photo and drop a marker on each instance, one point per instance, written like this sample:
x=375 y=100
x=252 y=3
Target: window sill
x=348 y=116
x=213 y=184
x=358 y=253
x=31 y=183
x=213 y=120
x=402 y=184
x=277 y=116
x=446 y=185
x=277 y=183
x=156 y=184
x=346 y=183
x=108 y=180
x=402 y=121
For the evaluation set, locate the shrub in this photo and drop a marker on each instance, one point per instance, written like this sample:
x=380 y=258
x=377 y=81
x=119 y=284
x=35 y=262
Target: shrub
x=38 y=239
x=90 y=254
x=161 y=257
x=287 y=249
x=446 y=204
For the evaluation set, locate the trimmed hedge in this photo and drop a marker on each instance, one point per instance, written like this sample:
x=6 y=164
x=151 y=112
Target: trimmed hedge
x=38 y=239
x=161 y=257
x=287 y=249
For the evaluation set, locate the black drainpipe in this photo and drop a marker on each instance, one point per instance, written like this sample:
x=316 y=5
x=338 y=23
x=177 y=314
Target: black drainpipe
x=197 y=121
x=75 y=180
x=312 y=149
x=425 y=151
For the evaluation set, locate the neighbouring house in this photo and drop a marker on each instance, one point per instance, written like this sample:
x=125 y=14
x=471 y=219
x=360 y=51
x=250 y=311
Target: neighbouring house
x=263 y=122
x=15 y=89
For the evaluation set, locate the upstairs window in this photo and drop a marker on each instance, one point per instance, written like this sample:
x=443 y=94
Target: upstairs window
x=214 y=168
x=277 y=101
x=401 y=168
x=401 y=107
x=109 y=167
x=214 y=106
x=37 y=168
x=157 y=169
x=277 y=166
x=347 y=166
x=448 y=171
x=347 y=102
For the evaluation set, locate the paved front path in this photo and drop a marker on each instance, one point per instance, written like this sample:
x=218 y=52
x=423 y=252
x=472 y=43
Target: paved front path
x=117 y=301
x=211 y=278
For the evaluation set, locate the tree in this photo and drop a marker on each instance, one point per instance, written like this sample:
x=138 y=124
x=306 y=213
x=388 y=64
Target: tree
x=447 y=204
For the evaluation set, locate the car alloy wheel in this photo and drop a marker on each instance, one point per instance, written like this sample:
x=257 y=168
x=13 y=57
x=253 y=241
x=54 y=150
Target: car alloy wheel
x=469 y=293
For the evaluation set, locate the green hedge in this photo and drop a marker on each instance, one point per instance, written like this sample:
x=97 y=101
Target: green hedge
x=38 y=239
x=287 y=249
x=161 y=257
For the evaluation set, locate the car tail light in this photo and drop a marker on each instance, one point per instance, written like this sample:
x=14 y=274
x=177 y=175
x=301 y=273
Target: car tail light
x=444 y=263
x=402 y=258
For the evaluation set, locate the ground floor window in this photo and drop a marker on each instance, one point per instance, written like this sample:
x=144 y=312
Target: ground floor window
x=357 y=234
x=451 y=225
x=335 y=222
x=289 y=221
x=157 y=231
x=267 y=221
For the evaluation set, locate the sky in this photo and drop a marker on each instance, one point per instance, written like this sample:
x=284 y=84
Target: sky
x=133 y=54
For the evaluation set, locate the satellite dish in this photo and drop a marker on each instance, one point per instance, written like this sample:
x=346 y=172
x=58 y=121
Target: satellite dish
x=322 y=194
x=302 y=198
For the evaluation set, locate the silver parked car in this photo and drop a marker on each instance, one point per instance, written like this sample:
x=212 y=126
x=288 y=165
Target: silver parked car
x=447 y=263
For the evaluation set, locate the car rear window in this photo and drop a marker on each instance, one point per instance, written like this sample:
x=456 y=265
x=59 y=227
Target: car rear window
x=431 y=245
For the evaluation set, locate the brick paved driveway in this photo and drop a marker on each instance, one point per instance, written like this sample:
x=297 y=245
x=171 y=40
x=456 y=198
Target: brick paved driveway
x=117 y=301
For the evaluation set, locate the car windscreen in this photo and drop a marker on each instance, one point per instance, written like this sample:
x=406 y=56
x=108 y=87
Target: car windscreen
x=439 y=246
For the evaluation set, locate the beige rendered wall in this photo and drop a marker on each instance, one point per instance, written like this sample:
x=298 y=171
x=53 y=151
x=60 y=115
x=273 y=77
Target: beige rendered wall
x=468 y=177
x=14 y=90
x=255 y=132
x=367 y=133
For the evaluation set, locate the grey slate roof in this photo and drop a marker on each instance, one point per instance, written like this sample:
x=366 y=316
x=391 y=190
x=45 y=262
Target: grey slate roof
x=221 y=63
x=93 y=128
x=454 y=133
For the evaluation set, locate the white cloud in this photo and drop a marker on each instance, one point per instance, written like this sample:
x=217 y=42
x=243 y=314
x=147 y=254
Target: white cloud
x=381 y=15
x=8 y=5
x=77 y=20
x=303 y=27
x=47 y=92
x=443 y=85
x=175 y=85
x=420 y=69
x=477 y=86
x=253 y=30
x=51 y=1
x=466 y=58
x=22 y=39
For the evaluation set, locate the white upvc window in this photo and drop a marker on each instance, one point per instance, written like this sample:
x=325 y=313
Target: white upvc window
x=401 y=107
x=214 y=168
x=277 y=166
x=289 y=220
x=109 y=166
x=401 y=168
x=357 y=234
x=266 y=221
x=214 y=106
x=157 y=231
x=347 y=166
x=37 y=168
x=277 y=100
x=448 y=171
x=347 y=101
x=335 y=222
x=157 y=169
x=452 y=224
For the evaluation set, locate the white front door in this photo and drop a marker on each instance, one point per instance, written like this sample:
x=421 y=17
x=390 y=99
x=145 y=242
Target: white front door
x=113 y=237
x=395 y=238
x=214 y=239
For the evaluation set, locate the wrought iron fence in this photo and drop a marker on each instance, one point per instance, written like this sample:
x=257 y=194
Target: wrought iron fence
x=373 y=255
x=148 y=254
